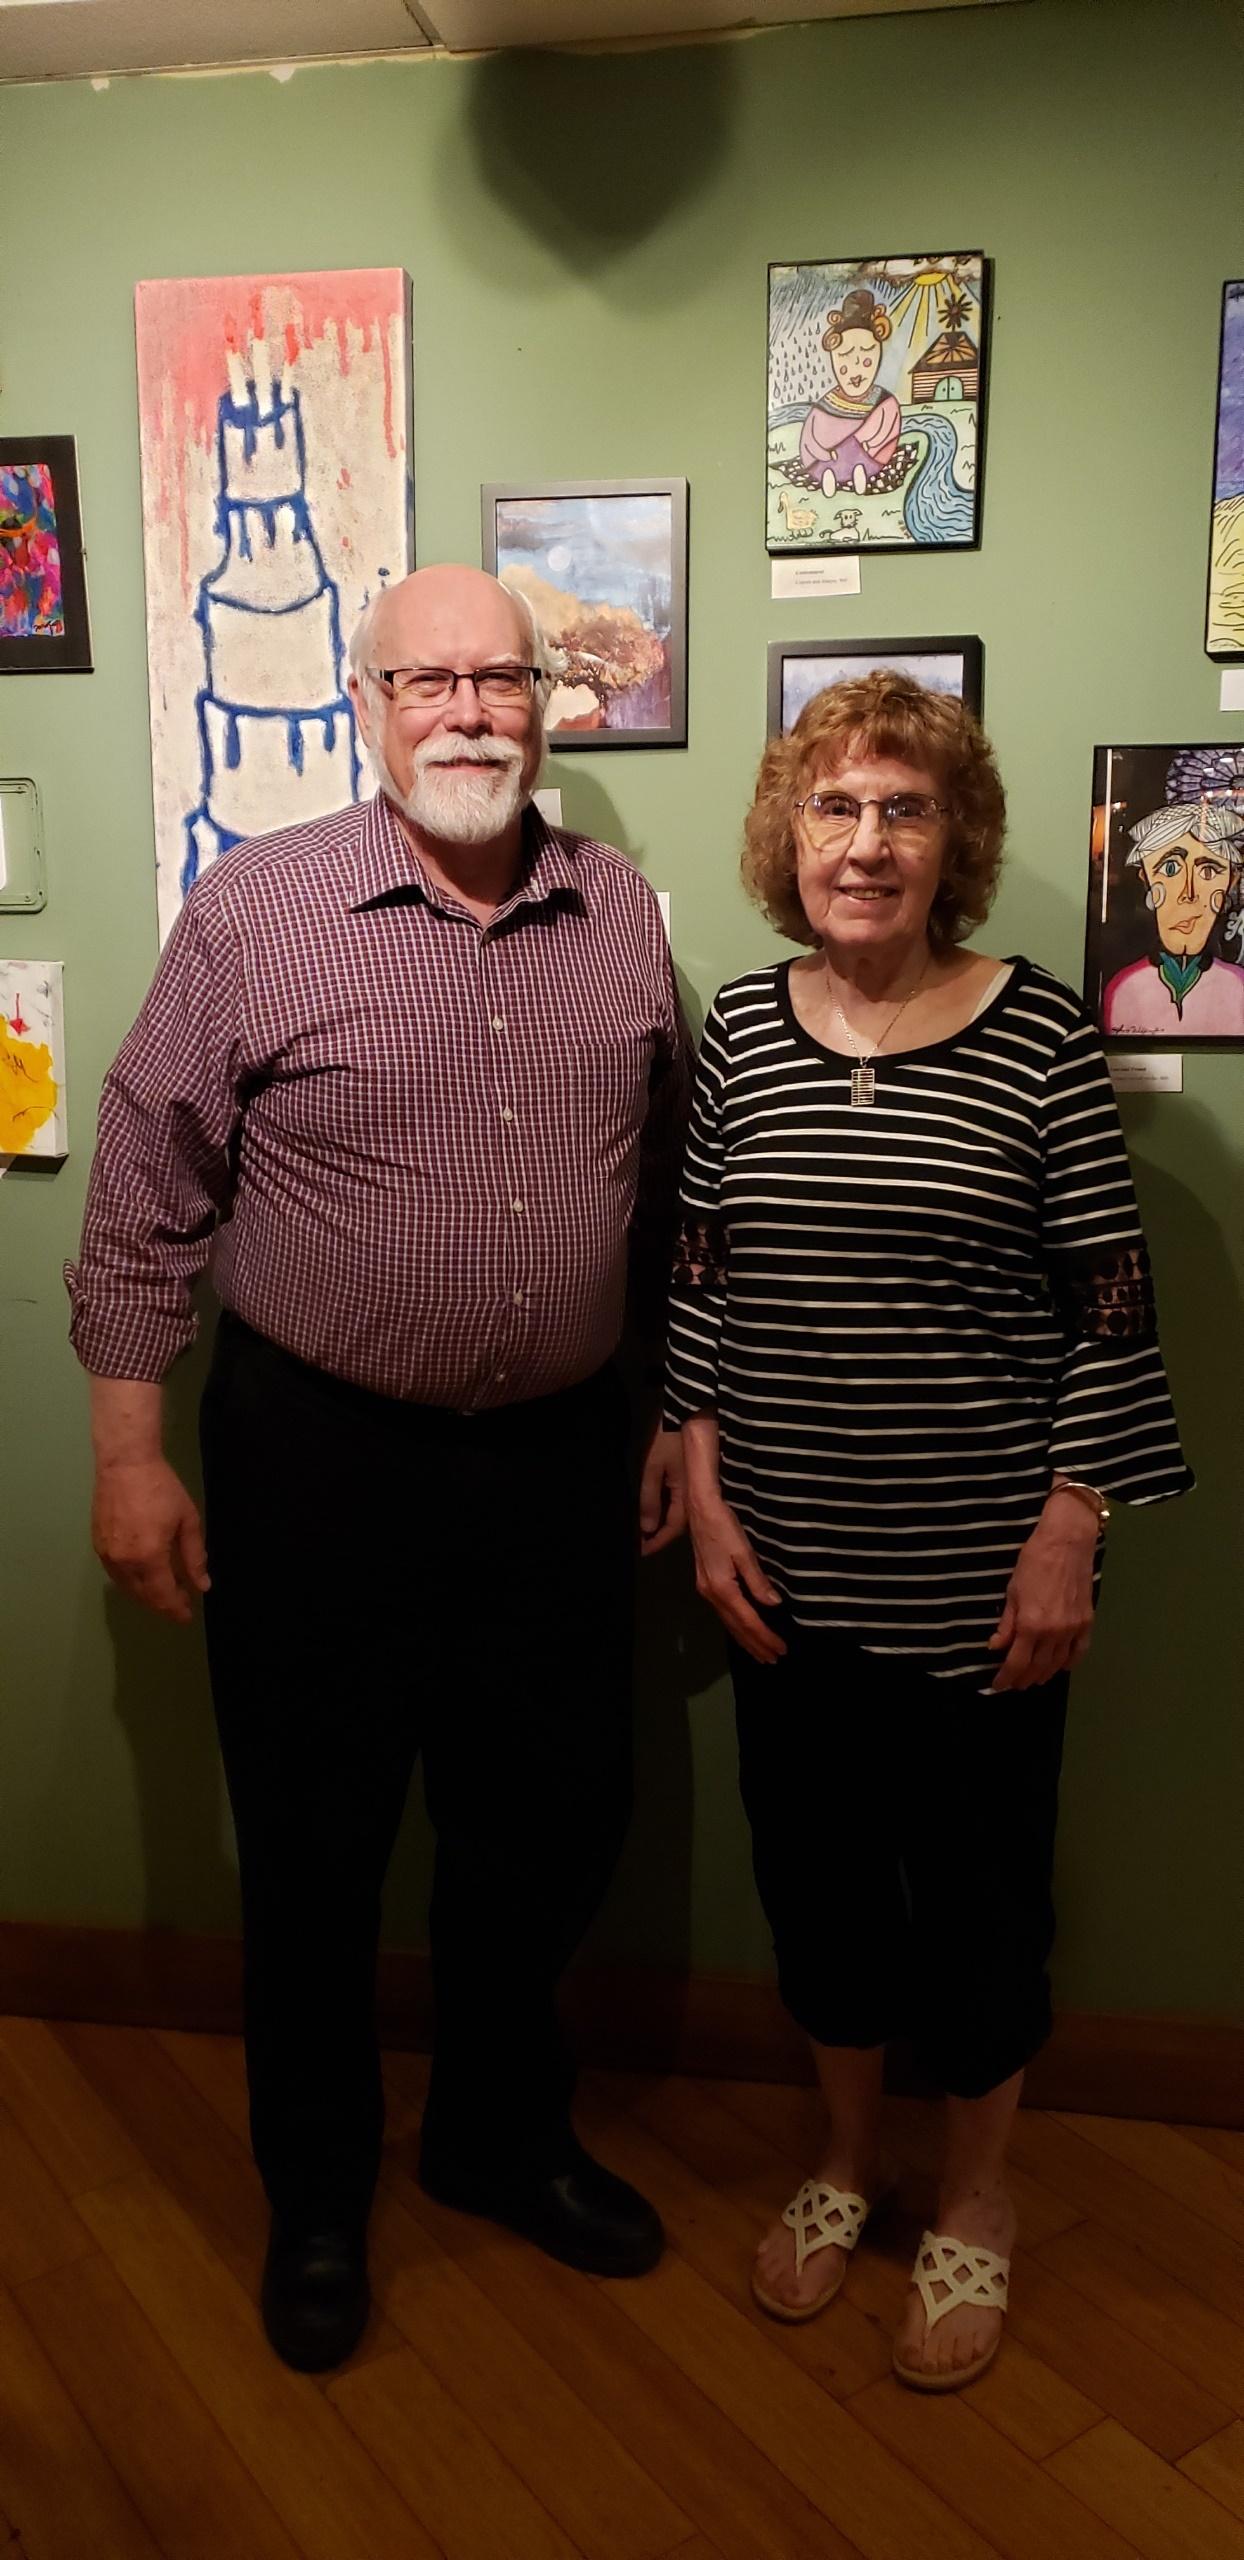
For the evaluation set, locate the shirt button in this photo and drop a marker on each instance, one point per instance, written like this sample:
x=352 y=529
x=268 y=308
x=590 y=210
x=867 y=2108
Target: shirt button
x=518 y=1207
x=507 y=1114
x=518 y=1297
x=498 y=1022
x=501 y=1377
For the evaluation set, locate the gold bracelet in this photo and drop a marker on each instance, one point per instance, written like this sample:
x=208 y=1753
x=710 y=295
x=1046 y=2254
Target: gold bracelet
x=1072 y=1484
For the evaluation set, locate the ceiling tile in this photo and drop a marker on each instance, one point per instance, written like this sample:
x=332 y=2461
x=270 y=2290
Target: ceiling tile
x=69 y=39
x=466 y=26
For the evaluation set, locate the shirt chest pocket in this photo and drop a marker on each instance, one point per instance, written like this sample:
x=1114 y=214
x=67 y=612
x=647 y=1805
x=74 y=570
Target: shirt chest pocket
x=596 y=1079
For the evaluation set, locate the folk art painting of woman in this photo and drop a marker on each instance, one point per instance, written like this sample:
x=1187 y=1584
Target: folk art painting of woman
x=875 y=386
x=1166 y=920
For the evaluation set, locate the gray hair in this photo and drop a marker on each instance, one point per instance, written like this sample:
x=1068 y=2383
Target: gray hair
x=359 y=645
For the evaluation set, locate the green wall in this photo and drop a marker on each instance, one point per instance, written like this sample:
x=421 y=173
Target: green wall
x=588 y=239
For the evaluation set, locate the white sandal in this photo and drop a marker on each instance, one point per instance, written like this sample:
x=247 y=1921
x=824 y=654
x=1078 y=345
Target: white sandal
x=821 y=2217
x=947 y=2274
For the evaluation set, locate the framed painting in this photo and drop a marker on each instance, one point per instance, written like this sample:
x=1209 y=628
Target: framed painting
x=32 y=1060
x=603 y=565
x=876 y=403
x=274 y=429
x=44 y=627
x=1224 y=617
x=1164 y=950
x=800 y=669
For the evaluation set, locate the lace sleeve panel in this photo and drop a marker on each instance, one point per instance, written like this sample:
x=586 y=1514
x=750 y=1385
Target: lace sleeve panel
x=1106 y=1296
x=701 y=1255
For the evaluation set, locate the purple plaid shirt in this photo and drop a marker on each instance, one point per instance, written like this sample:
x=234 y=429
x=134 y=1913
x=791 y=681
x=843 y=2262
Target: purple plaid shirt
x=414 y=1150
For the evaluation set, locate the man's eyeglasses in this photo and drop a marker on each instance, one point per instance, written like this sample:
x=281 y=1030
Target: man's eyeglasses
x=907 y=817
x=499 y=688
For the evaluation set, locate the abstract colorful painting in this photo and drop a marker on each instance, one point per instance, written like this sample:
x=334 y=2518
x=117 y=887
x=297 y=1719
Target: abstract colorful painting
x=275 y=417
x=1224 y=622
x=800 y=669
x=603 y=566
x=32 y=1059
x=876 y=403
x=43 y=617
x=1164 y=954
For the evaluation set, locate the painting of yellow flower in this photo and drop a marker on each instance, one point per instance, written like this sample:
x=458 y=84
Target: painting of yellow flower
x=32 y=1097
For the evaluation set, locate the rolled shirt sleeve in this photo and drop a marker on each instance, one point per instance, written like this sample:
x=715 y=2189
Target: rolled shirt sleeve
x=1114 y=1423
x=161 y=1178
x=698 y=1292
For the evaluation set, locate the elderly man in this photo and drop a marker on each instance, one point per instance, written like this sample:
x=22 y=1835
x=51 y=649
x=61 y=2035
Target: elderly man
x=413 y=1077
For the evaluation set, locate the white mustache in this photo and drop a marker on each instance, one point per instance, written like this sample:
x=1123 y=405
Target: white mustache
x=497 y=751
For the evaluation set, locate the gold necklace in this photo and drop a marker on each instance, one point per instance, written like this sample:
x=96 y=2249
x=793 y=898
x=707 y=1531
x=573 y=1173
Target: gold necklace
x=863 y=1081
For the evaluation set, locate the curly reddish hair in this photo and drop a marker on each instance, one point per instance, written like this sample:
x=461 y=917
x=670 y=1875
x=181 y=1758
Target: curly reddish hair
x=881 y=714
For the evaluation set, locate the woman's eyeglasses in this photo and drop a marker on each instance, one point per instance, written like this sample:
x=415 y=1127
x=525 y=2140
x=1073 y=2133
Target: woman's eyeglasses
x=908 y=818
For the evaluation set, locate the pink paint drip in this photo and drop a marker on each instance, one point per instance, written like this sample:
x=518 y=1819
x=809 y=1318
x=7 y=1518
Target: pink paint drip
x=187 y=326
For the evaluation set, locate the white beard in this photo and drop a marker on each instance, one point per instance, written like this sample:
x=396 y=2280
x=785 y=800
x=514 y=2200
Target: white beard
x=461 y=808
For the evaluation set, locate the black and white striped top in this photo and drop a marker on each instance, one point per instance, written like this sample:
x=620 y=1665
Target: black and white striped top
x=907 y=1316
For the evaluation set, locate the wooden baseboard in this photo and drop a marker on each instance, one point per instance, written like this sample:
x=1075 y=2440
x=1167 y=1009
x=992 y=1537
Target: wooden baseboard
x=621 y=2017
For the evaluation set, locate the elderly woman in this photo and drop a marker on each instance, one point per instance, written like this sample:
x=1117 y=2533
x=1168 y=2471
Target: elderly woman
x=913 y=1357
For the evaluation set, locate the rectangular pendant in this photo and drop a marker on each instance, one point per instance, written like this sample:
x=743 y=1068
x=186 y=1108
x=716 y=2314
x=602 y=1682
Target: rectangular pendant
x=863 y=1084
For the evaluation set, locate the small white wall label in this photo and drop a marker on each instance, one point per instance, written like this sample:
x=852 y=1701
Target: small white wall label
x=1138 y=1071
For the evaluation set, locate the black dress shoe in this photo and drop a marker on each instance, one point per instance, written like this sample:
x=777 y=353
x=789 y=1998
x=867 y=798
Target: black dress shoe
x=582 y=2214
x=315 y=2297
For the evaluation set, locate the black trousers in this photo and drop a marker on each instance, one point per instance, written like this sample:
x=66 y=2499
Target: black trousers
x=389 y=1579
x=903 y=1842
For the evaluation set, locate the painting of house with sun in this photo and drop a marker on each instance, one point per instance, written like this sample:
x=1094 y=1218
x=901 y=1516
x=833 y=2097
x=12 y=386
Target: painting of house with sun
x=876 y=399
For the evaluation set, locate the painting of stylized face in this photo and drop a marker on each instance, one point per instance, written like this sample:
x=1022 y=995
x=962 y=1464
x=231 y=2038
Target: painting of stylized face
x=1187 y=885
x=855 y=356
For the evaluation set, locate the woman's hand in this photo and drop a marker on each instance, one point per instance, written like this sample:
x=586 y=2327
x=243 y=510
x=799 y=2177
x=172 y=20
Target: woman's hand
x=1047 y=1622
x=728 y=1571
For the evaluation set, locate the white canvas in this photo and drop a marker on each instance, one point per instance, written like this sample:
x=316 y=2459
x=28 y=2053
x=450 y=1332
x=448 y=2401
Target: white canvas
x=277 y=501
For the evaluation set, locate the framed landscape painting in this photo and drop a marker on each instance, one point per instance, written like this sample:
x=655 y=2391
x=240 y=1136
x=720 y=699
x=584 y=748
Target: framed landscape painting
x=800 y=669
x=603 y=565
x=1224 y=619
x=876 y=403
x=44 y=628
x=1164 y=951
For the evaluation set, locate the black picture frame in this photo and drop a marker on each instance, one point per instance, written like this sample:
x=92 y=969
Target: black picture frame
x=667 y=682
x=937 y=512
x=856 y=657
x=1224 y=576
x=54 y=652
x=1134 y=1004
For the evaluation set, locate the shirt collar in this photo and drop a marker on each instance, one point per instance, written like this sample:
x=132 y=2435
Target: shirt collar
x=387 y=867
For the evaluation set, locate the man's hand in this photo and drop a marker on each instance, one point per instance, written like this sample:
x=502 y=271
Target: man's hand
x=662 y=1502
x=1047 y=1622
x=148 y=1536
x=727 y=1570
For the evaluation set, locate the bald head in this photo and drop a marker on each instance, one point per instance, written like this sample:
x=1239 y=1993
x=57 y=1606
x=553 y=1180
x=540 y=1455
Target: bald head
x=459 y=765
x=446 y=616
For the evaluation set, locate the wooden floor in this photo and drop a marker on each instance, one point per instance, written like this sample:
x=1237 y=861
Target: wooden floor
x=502 y=2408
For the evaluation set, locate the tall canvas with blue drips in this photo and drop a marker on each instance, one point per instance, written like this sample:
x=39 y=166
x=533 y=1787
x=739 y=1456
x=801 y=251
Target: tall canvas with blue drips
x=876 y=403
x=277 y=500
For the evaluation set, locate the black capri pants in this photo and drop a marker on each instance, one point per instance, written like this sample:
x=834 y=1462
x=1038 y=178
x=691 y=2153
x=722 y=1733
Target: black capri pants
x=903 y=1844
